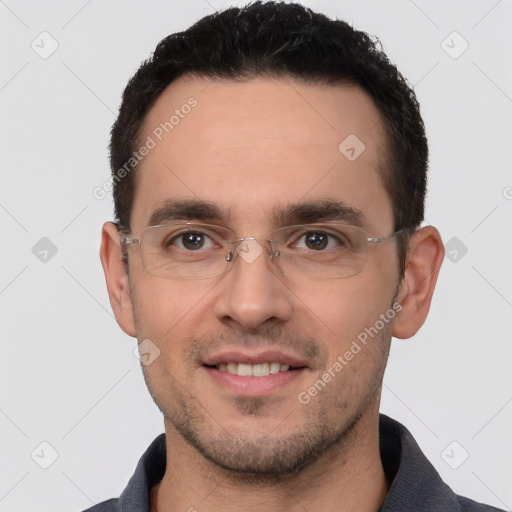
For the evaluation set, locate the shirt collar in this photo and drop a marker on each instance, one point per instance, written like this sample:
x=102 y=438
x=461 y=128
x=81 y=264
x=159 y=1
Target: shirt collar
x=414 y=483
x=149 y=471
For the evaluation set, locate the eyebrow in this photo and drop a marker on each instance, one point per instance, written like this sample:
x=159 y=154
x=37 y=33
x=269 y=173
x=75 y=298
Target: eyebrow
x=306 y=212
x=319 y=210
x=187 y=209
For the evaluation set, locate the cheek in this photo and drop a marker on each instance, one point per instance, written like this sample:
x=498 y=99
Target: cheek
x=168 y=313
x=165 y=307
x=343 y=309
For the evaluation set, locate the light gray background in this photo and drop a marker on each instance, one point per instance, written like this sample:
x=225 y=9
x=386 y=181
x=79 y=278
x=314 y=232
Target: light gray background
x=68 y=373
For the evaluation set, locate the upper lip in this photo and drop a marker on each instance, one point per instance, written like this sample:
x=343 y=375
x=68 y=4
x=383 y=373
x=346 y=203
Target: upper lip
x=269 y=356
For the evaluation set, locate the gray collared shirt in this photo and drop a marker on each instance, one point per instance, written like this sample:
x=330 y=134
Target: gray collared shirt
x=415 y=484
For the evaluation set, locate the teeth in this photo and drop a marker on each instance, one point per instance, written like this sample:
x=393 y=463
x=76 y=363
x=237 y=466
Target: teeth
x=244 y=370
x=260 y=370
x=274 y=368
x=254 y=370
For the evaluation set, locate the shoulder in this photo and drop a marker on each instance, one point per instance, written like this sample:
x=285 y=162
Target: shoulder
x=136 y=495
x=468 y=505
x=415 y=483
x=105 y=506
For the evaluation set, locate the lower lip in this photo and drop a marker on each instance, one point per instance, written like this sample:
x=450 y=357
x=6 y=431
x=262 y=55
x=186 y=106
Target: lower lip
x=254 y=386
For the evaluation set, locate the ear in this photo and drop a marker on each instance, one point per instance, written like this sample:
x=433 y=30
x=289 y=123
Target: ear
x=424 y=259
x=118 y=285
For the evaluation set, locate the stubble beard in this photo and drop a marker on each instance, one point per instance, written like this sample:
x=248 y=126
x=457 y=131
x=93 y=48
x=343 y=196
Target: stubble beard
x=330 y=423
x=264 y=457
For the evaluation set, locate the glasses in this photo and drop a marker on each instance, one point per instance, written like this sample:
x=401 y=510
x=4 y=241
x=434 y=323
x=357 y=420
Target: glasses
x=189 y=250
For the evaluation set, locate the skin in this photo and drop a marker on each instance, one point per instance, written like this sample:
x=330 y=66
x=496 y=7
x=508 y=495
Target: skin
x=249 y=147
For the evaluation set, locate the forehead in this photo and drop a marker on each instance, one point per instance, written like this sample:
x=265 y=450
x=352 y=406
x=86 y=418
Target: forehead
x=253 y=145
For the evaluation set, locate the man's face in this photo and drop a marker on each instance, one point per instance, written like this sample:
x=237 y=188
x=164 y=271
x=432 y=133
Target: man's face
x=252 y=149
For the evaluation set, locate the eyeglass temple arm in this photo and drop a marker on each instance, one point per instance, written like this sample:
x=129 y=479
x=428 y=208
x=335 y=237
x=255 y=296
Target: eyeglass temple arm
x=377 y=239
x=123 y=235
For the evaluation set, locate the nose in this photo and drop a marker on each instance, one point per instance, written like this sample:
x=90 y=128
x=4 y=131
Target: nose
x=251 y=294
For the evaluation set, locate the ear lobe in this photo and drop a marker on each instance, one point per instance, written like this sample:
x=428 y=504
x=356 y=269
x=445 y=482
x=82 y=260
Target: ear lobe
x=118 y=285
x=424 y=260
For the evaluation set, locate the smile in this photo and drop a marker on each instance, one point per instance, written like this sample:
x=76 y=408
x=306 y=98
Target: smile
x=246 y=373
x=254 y=370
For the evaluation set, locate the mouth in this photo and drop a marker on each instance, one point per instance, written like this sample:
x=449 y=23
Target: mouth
x=254 y=370
x=246 y=374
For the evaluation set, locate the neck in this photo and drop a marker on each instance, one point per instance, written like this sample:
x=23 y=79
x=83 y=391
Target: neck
x=349 y=476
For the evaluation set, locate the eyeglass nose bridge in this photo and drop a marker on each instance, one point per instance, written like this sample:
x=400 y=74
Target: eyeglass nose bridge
x=236 y=244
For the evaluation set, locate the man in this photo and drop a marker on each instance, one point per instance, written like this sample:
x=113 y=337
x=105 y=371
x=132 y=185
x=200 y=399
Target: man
x=269 y=171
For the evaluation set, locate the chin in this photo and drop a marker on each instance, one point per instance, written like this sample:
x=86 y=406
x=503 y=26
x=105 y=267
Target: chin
x=263 y=456
x=267 y=450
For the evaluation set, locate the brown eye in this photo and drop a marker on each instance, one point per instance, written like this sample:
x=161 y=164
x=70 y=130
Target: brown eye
x=319 y=241
x=188 y=241
x=192 y=240
x=316 y=240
